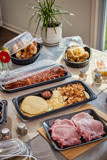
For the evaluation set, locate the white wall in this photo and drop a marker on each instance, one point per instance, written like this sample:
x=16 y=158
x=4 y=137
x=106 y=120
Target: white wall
x=0 y=17
x=15 y=14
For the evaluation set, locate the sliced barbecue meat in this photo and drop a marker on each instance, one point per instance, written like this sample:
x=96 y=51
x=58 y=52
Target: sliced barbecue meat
x=49 y=74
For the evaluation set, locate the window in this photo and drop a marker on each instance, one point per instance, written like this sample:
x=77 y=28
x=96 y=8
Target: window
x=98 y=24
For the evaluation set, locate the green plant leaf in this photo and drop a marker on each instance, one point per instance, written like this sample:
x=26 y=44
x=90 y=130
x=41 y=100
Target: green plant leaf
x=47 y=12
x=39 y=19
x=53 y=24
x=66 y=20
x=30 y=21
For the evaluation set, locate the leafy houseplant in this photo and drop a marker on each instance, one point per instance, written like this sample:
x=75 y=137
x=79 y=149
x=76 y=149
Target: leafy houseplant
x=47 y=12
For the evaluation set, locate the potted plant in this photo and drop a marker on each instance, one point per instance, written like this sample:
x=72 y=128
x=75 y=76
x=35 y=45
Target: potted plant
x=47 y=12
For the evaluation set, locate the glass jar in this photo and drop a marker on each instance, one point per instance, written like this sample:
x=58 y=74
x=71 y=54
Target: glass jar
x=3 y=68
x=97 y=78
x=21 y=129
x=82 y=75
x=5 y=134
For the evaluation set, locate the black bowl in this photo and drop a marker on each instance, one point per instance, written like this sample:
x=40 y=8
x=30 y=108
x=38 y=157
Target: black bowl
x=45 y=97
x=28 y=60
x=78 y=64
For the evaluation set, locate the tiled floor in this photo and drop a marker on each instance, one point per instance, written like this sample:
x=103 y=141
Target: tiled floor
x=5 y=36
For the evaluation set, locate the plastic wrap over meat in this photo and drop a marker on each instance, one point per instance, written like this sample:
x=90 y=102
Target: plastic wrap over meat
x=25 y=72
x=24 y=77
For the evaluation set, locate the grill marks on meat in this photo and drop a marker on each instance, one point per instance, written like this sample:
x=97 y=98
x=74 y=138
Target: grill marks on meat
x=87 y=126
x=69 y=132
x=64 y=133
x=52 y=73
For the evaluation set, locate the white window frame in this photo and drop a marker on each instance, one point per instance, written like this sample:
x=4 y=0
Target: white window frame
x=94 y=22
x=98 y=24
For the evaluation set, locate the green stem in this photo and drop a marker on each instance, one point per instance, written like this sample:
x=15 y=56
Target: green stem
x=2 y=65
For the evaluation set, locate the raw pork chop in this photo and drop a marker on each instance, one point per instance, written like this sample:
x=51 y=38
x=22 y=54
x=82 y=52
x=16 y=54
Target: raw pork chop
x=87 y=126
x=90 y=129
x=62 y=122
x=64 y=133
x=78 y=117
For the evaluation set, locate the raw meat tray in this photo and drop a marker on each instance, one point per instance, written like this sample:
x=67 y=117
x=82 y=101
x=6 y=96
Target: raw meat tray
x=49 y=122
x=17 y=101
x=68 y=74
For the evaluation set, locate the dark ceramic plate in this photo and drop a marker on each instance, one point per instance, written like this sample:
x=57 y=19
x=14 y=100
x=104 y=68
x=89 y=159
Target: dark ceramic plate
x=68 y=74
x=28 y=60
x=78 y=64
x=17 y=101
x=49 y=122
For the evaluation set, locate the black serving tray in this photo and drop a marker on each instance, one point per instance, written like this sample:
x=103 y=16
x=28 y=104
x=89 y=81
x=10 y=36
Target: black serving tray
x=28 y=60
x=78 y=64
x=49 y=122
x=17 y=101
x=3 y=110
x=38 y=84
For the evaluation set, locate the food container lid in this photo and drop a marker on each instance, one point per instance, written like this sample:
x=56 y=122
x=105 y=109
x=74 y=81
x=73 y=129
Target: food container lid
x=17 y=43
x=22 y=157
x=25 y=72
x=13 y=147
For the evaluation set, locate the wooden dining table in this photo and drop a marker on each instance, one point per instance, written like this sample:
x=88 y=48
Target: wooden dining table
x=40 y=147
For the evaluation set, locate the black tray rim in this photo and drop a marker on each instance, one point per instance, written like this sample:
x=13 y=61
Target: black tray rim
x=2 y=111
x=15 y=100
x=4 y=120
x=58 y=117
x=79 y=63
x=38 y=84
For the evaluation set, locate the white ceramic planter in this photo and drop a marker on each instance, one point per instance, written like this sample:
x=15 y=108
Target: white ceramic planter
x=53 y=38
